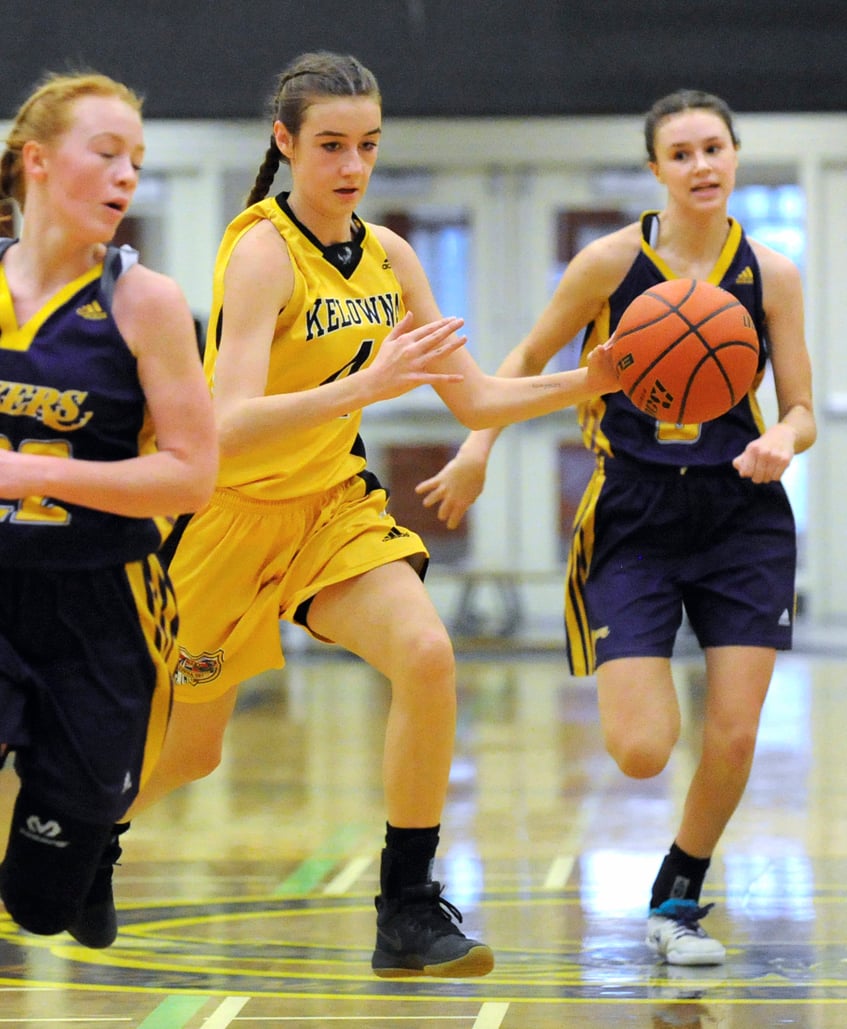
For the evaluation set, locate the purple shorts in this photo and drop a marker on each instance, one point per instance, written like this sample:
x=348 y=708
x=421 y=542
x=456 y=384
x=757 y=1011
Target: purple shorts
x=661 y=542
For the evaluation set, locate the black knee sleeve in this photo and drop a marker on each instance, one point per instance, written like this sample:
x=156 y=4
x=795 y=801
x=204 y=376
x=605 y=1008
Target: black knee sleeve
x=49 y=865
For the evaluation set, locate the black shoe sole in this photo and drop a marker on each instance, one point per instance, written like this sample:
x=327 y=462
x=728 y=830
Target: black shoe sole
x=478 y=961
x=96 y=927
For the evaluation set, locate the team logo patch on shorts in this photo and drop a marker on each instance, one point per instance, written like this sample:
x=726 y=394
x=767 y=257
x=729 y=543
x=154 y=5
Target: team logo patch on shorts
x=197 y=669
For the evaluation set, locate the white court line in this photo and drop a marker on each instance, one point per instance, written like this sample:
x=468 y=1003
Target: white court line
x=491 y=1015
x=352 y=871
x=562 y=866
x=559 y=873
x=487 y=1012
x=223 y=1016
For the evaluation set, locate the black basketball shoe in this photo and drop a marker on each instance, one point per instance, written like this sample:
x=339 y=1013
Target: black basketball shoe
x=96 y=925
x=416 y=935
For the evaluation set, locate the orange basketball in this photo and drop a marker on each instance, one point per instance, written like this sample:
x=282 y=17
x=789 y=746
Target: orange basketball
x=686 y=351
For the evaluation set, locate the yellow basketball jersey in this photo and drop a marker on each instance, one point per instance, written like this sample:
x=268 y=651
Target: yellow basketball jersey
x=345 y=301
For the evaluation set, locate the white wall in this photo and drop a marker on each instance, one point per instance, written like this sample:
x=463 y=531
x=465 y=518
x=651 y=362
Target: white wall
x=507 y=172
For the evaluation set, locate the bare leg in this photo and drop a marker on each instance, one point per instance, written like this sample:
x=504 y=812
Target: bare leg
x=738 y=681
x=639 y=713
x=192 y=748
x=387 y=618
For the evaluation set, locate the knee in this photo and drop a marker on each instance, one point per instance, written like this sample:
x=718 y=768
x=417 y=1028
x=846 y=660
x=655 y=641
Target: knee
x=733 y=745
x=639 y=714
x=428 y=655
x=50 y=862
x=194 y=744
x=424 y=671
x=640 y=756
x=199 y=759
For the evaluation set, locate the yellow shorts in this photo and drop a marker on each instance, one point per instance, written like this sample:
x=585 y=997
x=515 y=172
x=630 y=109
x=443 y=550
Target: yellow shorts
x=244 y=564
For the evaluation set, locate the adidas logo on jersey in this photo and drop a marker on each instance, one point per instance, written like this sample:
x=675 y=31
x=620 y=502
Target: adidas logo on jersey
x=784 y=618
x=43 y=832
x=93 y=312
x=745 y=277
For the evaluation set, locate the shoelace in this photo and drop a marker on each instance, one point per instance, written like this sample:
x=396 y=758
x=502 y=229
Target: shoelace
x=446 y=909
x=688 y=916
x=438 y=905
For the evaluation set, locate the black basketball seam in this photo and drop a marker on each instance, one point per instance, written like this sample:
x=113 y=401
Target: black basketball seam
x=712 y=356
x=691 y=330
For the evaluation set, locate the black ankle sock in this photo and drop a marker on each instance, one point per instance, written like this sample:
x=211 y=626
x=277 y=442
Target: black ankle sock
x=407 y=858
x=681 y=876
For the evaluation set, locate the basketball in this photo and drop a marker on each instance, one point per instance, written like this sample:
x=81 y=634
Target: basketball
x=685 y=351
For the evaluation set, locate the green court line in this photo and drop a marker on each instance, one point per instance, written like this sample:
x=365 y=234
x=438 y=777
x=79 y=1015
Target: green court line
x=323 y=859
x=173 y=1013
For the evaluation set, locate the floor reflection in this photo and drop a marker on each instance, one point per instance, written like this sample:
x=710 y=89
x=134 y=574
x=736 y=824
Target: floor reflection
x=258 y=882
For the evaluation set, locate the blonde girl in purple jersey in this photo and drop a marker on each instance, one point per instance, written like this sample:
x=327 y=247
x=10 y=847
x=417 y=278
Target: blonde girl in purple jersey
x=106 y=435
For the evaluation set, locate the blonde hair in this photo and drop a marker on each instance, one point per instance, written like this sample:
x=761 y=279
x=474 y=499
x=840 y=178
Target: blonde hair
x=47 y=114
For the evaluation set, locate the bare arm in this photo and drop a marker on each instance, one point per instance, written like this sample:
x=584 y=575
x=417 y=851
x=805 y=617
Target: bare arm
x=179 y=475
x=479 y=400
x=766 y=458
x=258 y=284
x=589 y=279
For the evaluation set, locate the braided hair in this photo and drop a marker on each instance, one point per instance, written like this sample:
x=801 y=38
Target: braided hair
x=309 y=77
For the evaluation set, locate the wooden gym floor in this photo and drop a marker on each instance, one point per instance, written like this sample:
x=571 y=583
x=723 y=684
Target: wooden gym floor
x=246 y=900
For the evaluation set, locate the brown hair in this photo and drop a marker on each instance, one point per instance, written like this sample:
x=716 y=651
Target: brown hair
x=685 y=100
x=47 y=114
x=308 y=78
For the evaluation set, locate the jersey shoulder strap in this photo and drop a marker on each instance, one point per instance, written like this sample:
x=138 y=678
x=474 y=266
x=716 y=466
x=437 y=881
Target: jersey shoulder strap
x=115 y=263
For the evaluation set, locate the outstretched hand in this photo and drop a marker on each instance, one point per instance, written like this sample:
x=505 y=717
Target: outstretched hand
x=458 y=484
x=407 y=354
x=454 y=488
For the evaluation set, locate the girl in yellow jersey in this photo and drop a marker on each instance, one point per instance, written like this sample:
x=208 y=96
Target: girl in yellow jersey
x=315 y=315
